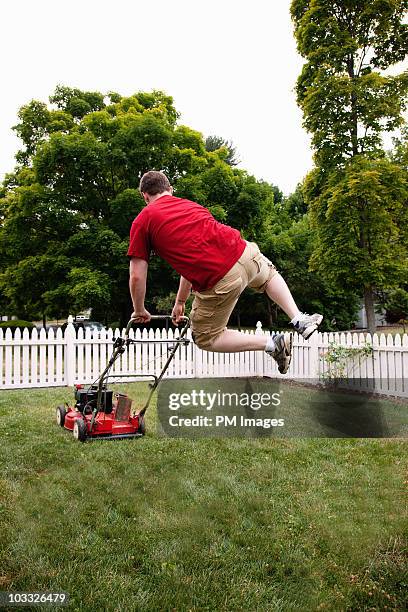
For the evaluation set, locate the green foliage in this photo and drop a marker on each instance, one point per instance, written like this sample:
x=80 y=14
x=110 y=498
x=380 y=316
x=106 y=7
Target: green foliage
x=356 y=197
x=361 y=222
x=399 y=154
x=290 y=249
x=347 y=102
x=215 y=143
x=66 y=211
x=252 y=209
x=396 y=305
x=295 y=204
x=218 y=212
x=219 y=184
x=68 y=99
x=27 y=284
x=186 y=138
x=17 y=324
x=114 y=325
x=34 y=119
x=164 y=304
x=86 y=286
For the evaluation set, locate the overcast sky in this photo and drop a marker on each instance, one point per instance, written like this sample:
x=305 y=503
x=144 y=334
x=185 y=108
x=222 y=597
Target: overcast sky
x=230 y=65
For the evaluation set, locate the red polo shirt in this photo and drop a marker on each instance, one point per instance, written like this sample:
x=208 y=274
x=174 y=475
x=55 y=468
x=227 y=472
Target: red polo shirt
x=187 y=236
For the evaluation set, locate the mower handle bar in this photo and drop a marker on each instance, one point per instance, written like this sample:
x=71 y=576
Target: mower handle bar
x=155 y=317
x=183 y=319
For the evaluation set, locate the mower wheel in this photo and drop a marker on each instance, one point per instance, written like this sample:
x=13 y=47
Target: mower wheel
x=61 y=413
x=79 y=430
x=142 y=425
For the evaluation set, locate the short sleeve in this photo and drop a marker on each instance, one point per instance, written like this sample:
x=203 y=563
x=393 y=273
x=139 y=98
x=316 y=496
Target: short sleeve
x=139 y=243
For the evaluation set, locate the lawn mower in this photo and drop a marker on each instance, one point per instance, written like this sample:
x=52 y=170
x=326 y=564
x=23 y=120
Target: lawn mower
x=100 y=413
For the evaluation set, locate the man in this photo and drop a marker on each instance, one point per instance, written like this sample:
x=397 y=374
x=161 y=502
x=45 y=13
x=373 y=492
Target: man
x=216 y=263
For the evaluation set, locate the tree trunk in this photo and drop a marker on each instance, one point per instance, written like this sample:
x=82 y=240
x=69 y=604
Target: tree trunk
x=353 y=113
x=238 y=314
x=44 y=318
x=270 y=314
x=369 y=307
x=125 y=311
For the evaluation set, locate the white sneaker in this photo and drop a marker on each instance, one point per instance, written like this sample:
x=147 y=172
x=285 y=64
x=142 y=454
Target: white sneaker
x=307 y=324
x=282 y=352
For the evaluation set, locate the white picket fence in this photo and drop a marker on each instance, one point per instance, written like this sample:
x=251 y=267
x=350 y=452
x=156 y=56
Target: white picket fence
x=41 y=359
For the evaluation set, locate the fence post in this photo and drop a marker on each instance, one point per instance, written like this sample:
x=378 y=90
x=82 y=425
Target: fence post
x=259 y=355
x=70 y=357
x=314 y=355
x=197 y=358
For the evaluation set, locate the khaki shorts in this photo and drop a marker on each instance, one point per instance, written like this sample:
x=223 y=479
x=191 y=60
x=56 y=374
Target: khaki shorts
x=212 y=308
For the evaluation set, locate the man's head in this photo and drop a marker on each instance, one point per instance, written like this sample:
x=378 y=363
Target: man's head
x=153 y=184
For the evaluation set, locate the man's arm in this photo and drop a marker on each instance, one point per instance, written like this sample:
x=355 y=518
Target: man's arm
x=183 y=291
x=137 y=287
x=182 y=295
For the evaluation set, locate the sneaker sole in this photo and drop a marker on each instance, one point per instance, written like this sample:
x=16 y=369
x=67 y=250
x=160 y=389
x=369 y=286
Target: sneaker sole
x=288 y=352
x=312 y=328
x=309 y=331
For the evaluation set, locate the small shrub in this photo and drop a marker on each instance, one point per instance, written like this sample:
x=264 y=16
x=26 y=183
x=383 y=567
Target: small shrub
x=339 y=357
x=17 y=324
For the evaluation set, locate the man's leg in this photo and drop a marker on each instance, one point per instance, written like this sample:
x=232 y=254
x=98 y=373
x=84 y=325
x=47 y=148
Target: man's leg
x=278 y=346
x=257 y=272
x=231 y=341
x=279 y=292
x=212 y=312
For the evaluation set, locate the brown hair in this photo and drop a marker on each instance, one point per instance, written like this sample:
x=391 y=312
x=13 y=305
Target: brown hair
x=154 y=182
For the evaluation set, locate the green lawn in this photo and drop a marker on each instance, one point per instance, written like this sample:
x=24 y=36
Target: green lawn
x=175 y=524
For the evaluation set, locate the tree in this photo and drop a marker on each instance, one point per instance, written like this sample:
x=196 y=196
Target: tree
x=295 y=203
x=66 y=210
x=229 y=151
x=290 y=247
x=348 y=103
x=399 y=154
x=26 y=284
x=361 y=222
x=396 y=305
